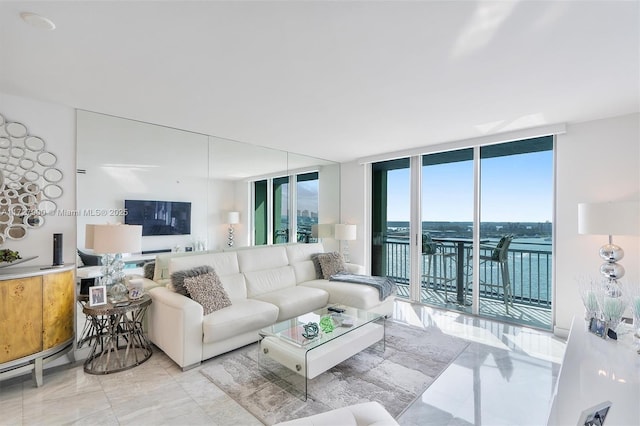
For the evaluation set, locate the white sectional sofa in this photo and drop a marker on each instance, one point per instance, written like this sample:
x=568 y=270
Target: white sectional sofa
x=265 y=284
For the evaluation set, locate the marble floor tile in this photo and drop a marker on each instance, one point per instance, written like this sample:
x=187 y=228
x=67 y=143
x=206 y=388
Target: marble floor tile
x=11 y=403
x=66 y=409
x=504 y=371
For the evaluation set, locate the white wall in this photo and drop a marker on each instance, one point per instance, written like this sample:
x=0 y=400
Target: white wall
x=596 y=161
x=353 y=205
x=127 y=159
x=55 y=124
x=328 y=198
x=130 y=160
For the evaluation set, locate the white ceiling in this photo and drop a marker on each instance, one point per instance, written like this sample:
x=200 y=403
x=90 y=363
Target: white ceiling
x=334 y=79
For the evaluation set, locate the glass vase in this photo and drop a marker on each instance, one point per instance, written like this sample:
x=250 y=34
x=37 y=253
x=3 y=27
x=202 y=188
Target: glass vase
x=612 y=304
x=634 y=297
x=588 y=288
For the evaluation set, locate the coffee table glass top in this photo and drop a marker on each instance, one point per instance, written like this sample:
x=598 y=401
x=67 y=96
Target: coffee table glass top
x=343 y=323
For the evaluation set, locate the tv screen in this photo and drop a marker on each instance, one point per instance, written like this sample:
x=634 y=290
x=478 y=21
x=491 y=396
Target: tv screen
x=159 y=217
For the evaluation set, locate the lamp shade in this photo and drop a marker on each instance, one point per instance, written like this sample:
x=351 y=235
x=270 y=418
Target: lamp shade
x=114 y=238
x=322 y=230
x=233 y=218
x=620 y=218
x=88 y=236
x=345 y=232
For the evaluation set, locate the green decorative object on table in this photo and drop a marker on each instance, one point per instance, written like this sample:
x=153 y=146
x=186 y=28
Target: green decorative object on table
x=326 y=324
x=7 y=255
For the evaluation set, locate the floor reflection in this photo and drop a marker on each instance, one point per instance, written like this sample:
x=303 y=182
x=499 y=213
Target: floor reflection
x=505 y=372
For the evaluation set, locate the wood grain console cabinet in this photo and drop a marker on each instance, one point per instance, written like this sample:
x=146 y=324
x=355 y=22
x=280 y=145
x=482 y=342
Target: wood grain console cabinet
x=36 y=318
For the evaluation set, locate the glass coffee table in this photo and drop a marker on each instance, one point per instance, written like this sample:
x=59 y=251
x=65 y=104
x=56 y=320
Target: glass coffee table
x=287 y=355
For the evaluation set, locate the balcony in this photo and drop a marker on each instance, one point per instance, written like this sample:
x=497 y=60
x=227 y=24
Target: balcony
x=530 y=278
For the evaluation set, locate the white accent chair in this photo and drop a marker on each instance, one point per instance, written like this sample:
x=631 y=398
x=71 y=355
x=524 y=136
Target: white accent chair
x=364 y=414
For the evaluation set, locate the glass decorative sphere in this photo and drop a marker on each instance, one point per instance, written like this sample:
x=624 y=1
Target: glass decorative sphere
x=611 y=252
x=612 y=271
x=118 y=292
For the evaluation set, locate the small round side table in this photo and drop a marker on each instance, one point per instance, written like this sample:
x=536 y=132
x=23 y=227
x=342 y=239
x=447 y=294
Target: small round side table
x=119 y=342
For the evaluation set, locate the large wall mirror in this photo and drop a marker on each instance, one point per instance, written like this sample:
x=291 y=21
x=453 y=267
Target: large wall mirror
x=120 y=159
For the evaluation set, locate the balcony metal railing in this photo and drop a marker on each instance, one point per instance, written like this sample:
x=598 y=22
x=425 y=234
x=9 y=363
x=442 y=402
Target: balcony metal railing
x=529 y=271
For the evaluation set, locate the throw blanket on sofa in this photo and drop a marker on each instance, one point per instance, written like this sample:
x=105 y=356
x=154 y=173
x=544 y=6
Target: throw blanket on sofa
x=385 y=285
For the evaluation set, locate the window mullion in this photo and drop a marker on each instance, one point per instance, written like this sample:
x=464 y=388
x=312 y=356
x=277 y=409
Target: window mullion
x=415 y=229
x=475 y=284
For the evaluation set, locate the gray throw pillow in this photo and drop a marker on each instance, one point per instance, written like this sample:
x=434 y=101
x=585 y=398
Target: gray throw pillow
x=207 y=290
x=178 y=277
x=331 y=264
x=316 y=265
x=149 y=269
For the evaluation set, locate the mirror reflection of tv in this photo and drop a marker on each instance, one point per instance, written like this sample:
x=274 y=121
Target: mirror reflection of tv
x=159 y=217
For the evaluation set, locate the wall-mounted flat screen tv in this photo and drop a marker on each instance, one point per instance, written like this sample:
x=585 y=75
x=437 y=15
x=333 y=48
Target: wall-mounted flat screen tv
x=159 y=217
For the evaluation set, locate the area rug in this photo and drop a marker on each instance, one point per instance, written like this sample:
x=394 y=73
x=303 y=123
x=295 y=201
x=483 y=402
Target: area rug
x=412 y=359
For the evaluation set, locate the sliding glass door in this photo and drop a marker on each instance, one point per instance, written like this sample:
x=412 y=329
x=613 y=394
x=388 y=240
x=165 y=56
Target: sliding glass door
x=275 y=199
x=260 y=213
x=390 y=254
x=504 y=192
x=516 y=180
x=307 y=203
x=281 y=210
x=447 y=227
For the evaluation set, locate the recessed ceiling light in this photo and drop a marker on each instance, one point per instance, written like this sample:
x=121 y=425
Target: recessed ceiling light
x=38 y=21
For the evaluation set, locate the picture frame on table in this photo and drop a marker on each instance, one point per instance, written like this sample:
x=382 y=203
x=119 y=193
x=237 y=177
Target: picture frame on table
x=598 y=327
x=595 y=416
x=97 y=295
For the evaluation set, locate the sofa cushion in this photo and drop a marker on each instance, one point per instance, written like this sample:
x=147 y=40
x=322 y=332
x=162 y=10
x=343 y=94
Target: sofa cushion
x=149 y=268
x=331 y=263
x=161 y=271
x=207 y=290
x=357 y=295
x=242 y=317
x=178 y=277
x=304 y=271
x=235 y=286
x=295 y=301
x=265 y=281
x=301 y=252
x=224 y=263
x=262 y=258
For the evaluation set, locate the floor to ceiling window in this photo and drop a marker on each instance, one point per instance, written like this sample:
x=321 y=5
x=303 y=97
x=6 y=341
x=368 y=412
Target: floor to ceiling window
x=447 y=226
x=516 y=213
x=390 y=254
x=307 y=187
x=281 y=210
x=260 y=213
x=513 y=202
x=275 y=199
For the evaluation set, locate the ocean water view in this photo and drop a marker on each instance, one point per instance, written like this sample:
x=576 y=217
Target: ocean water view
x=529 y=255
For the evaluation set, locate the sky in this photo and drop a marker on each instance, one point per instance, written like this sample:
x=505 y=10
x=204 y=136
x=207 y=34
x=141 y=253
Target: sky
x=307 y=193
x=515 y=188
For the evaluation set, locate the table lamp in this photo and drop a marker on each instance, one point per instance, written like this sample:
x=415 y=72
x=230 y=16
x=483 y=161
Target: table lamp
x=321 y=230
x=233 y=218
x=346 y=233
x=614 y=218
x=111 y=240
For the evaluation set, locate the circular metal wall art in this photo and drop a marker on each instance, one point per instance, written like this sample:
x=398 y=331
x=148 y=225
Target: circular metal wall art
x=29 y=181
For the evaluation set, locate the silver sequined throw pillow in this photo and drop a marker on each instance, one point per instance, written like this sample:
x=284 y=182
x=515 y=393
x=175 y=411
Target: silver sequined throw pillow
x=207 y=290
